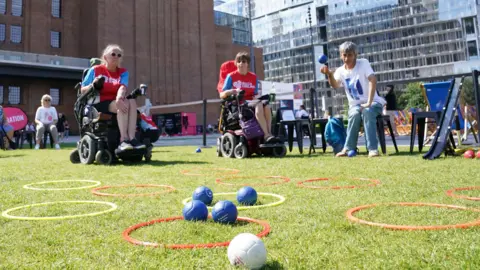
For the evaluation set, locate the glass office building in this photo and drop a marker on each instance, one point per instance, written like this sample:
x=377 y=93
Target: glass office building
x=282 y=29
x=408 y=39
x=235 y=7
x=240 y=26
x=404 y=40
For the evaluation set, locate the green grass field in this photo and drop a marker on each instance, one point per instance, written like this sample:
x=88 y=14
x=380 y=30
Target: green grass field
x=308 y=231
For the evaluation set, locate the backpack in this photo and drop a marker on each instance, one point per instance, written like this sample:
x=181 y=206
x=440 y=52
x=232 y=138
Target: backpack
x=335 y=134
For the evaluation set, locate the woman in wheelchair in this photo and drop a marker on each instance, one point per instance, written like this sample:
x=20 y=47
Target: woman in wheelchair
x=112 y=98
x=247 y=81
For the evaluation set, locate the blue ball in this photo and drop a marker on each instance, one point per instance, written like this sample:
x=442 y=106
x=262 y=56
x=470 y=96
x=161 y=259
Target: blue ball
x=203 y=194
x=352 y=153
x=224 y=212
x=323 y=59
x=195 y=210
x=198 y=150
x=247 y=196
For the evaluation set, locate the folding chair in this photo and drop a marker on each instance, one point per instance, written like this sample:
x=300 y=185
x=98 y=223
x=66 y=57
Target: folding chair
x=435 y=95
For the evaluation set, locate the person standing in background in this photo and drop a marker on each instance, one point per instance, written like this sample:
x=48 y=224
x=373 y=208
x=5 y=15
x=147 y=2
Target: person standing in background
x=391 y=107
x=67 y=129
x=60 y=126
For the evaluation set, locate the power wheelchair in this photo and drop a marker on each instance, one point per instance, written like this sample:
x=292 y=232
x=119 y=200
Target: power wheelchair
x=100 y=135
x=241 y=133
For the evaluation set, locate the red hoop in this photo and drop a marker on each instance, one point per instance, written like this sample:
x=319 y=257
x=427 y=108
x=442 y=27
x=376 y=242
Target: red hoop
x=129 y=230
x=96 y=190
x=227 y=171
x=350 y=216
x=451 y=193
x=374 y=182
x=284 y=180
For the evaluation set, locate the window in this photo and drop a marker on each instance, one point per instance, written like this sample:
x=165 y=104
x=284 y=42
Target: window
x=56 y=8
x=55 y=39
x=2 y=32
x=472 y=48
x=17 y=7
x=15 y=33
x=55 y=94
x=469 y=26
x=3 y=6
x=14 y=95
x=1 y=94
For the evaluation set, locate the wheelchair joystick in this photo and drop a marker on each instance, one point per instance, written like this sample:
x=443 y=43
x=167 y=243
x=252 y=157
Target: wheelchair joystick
x=141 y=91
x=98 y=85
x=144 y=88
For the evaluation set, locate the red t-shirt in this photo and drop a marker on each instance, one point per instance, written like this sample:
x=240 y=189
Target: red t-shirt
x=247 y=82
x=113 y=80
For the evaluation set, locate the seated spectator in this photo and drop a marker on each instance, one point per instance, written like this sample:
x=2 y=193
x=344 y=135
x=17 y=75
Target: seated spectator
x=302 y=113
x=46 y=118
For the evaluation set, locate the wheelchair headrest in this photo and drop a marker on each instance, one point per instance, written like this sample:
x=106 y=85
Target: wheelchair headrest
x=95 y=61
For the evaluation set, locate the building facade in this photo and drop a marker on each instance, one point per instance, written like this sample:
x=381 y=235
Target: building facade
x=408 y=40
x=404 y=40
x=173 y=46
x=234 y=7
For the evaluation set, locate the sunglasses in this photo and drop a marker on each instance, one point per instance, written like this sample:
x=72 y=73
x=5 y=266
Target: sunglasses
x=46 y=100
x=116 y=54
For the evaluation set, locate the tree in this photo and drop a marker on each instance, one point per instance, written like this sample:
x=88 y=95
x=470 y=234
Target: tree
x=412 y=97
x=467 y=95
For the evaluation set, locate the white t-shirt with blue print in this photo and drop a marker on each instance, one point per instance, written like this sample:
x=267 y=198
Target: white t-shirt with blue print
x=356 y=84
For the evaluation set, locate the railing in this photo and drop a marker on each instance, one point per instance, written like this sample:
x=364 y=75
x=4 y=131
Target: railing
x=43 y=59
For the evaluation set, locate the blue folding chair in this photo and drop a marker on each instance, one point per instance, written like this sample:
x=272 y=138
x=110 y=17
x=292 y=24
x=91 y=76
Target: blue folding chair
x=435 y=95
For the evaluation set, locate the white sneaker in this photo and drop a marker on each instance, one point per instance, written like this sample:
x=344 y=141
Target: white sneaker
x=37 y=146
x=57 y=146
x=373 y=153
x=125 y=145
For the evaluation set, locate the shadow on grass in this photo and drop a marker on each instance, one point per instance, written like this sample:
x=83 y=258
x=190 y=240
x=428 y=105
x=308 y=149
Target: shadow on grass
x=171 y=162
x=156 y=150
x=273 y=265
x=286 y=156
x=240 y=223
x=407 y=153
x=11 y=156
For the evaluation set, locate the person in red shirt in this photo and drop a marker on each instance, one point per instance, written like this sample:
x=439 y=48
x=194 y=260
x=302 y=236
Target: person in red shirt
x=112 y=97
x=242 y=79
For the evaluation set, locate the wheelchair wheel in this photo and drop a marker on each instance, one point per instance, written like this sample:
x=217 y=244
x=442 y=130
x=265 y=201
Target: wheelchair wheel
x=104 y=157
x=279 y=151
x=74 y=156
x=229 y=142
x=148 y=155
x=87 y=150
x=219 y=145
x=241 y=151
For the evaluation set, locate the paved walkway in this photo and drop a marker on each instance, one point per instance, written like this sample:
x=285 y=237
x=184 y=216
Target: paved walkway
x=211 y=140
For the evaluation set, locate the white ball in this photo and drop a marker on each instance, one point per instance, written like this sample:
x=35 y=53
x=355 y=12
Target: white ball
x=247 y=250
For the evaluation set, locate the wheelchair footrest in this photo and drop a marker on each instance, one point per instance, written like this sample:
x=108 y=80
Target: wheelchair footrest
x=273 y=145
x=130 y=152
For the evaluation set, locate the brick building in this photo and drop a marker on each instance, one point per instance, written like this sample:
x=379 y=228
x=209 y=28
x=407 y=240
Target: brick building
x=171 y=45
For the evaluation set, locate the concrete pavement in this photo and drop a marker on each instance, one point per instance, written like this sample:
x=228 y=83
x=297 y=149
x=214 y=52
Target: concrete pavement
x=211 y=140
